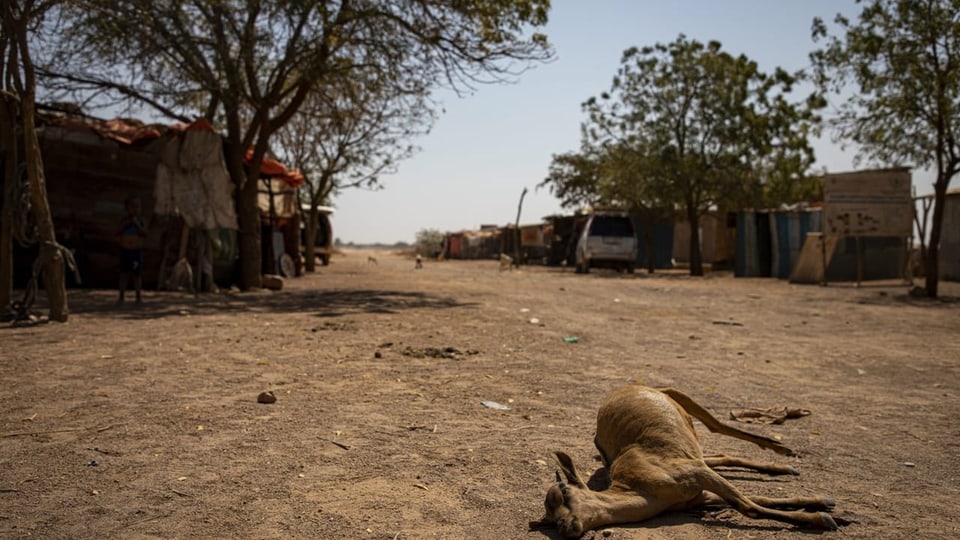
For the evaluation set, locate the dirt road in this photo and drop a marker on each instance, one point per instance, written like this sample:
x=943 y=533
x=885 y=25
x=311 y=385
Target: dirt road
x=144 y=422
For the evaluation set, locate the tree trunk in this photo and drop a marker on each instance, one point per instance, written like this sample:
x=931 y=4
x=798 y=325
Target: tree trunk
x=696 y=257
x=8 y=143
x=932 y=262
x=248 y=214
x=248 y=217
x=310 y=239
x=50 y=255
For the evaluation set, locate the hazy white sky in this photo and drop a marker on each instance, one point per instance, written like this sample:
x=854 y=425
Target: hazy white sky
x=490 y=145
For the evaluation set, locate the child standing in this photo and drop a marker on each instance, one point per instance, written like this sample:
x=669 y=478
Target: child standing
x=132 y=231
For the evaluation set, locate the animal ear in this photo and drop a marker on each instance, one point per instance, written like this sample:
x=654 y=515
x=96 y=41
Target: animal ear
x=569 y=470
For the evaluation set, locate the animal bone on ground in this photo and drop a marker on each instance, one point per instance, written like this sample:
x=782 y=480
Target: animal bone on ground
x=650 y=449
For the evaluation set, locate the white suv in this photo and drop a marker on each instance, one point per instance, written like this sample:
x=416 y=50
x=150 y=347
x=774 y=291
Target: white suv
x=608 y=240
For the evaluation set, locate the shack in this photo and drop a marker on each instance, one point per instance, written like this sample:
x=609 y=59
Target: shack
x=278 y=201
x=860 y=231
x=717 y=240
x=768 y=242
x=91 y=167
x=949 y=234
x=175 y=172
x=532 y=238
x=561 y=243
x=950 y=238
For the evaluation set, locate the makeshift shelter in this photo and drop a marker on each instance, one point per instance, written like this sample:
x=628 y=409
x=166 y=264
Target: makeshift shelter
x=949 y=236
x=278 y=202
x=661 y=234
x=562 y=242
x=454 y=245
x=192 y=183
x=768 y=242
x=717 y=240
x=789 y=244
x=532 y=245
x=870 y=212
x=177 y=173
x=91 y=167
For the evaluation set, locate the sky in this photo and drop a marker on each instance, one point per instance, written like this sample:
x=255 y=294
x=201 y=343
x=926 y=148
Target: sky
x=490 y=145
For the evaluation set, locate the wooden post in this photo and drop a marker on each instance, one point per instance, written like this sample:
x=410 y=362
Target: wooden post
x=8 y=144
x=51 y=257
x=23 y=78
x=519 y=237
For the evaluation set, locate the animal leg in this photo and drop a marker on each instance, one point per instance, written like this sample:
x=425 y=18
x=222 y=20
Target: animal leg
x=575 y=510
x=695 y=410
x=789 y=503
x=732 y=461
x=751 y=507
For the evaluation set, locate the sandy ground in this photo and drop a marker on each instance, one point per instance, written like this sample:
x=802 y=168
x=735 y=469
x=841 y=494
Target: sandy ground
x=144 y=422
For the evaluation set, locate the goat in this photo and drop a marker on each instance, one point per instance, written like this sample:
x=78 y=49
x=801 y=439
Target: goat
x=506 y=262
x=650 y=449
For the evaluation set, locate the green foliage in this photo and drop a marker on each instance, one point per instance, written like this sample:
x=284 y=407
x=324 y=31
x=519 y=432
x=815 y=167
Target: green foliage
x=351 y=132
x=252 y=65
x=428 y=241
x=687 y=125
x=902 y=57
x=705 y=127
x=574 y=178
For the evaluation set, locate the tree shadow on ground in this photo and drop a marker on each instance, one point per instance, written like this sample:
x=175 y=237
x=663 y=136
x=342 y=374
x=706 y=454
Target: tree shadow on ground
x=327 y=303
x=897 y=298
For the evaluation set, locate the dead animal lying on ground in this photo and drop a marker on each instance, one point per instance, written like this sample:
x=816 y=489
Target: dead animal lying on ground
x=649 y=446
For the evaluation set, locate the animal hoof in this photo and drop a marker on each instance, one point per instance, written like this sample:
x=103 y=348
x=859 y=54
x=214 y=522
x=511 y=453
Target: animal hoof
x=794 y=471
x=828 y=503
x=570 y=527
x=827 y=522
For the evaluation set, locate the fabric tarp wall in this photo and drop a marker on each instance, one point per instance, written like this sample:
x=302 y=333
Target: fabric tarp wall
x=192 y=181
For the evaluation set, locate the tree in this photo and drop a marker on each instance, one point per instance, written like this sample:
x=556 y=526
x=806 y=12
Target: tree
x=617 y=175
x=252 y=64
x=709 y=125
x=348 y=135
x=575 y=178
x=429 y=241
x=903 y=56
x=18 y=79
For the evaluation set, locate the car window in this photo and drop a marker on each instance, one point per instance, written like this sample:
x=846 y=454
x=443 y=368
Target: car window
x=611 y=226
